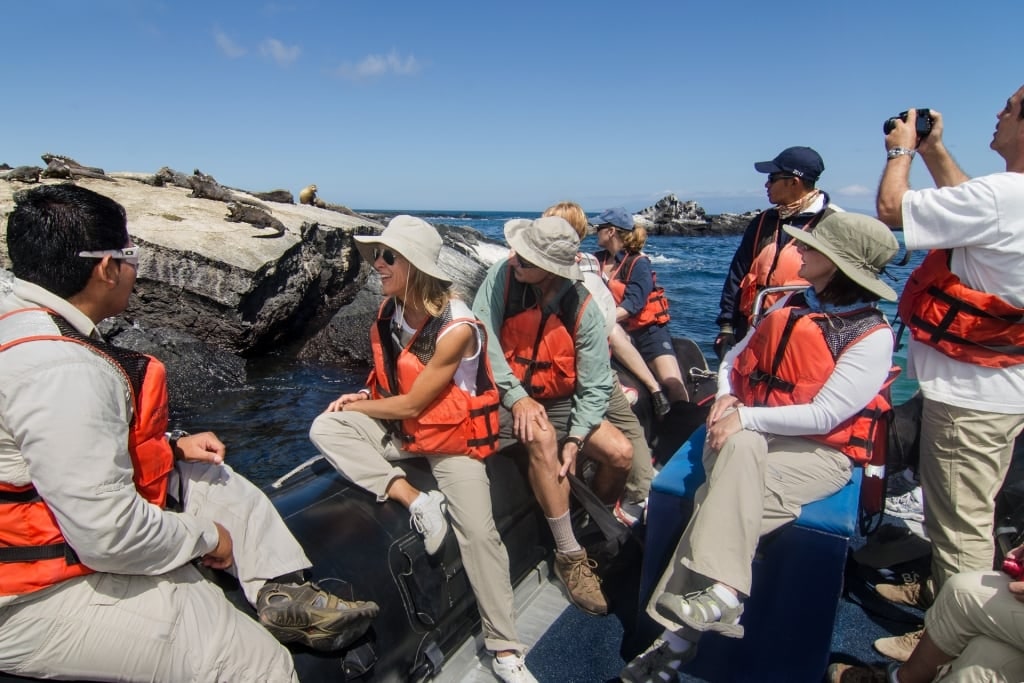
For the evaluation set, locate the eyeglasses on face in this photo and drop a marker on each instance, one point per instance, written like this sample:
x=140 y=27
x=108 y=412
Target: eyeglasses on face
x=129 y=254
x=523 y=263
x=386 y=254
x=778 y=176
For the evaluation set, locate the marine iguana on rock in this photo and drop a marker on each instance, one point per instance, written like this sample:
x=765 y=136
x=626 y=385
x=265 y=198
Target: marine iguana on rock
x=255 y=216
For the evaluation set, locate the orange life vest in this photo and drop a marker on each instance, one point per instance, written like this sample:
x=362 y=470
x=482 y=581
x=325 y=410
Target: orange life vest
x=772 y=267
x=965 y=324
x=540 y=346
x=790 y=356
x=33 y=551
x=655 y=310
x=456 y=422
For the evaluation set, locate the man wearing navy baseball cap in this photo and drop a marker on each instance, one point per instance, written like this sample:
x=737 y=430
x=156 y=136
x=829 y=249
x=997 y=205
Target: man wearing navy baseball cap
x=766 y=256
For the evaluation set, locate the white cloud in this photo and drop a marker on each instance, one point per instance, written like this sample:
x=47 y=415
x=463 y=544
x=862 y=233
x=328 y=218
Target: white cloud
x=855 y=191
x=373 y=66
x=279 y=52
x=230 y=48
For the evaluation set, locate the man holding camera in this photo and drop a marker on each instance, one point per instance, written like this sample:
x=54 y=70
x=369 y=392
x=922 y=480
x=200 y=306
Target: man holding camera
x=766 y=256
x=963 y=306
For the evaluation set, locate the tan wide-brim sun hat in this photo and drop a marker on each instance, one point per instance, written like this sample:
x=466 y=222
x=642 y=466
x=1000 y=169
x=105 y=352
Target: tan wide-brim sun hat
x=549 y=243
x=414 y=239
x=858 y=245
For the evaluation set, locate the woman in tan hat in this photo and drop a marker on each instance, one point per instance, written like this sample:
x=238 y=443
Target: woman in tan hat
x=798 y=398
x=430 y=393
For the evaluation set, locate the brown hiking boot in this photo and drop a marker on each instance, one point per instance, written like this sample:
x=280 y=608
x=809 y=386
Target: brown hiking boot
x=899 y=647
x=576 y=571
x=917 y=595
x=308 y=614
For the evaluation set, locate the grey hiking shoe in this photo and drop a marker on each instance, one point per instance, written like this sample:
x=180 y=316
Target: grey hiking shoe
x=576 y=571
x=657 y=664
x=307 y=614
x=429 y=517
x=697 y=610
x=899 y=647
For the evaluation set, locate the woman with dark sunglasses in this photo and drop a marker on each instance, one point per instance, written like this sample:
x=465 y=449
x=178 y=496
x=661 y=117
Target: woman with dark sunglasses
x=430 y=394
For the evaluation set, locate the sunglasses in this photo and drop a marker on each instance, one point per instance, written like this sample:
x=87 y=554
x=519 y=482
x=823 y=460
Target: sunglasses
x=386 y=254
x=129 y=254
x=778 y=176
x=523 y=263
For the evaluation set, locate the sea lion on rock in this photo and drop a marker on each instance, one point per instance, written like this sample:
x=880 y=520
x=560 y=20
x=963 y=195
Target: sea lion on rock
x=24 y=174
x=244 y=213
x=307 y=195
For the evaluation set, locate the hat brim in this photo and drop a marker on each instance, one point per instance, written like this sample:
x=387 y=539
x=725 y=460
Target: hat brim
x=768 y=167
x=366 y=244
x=860 y=276
x=515 y=236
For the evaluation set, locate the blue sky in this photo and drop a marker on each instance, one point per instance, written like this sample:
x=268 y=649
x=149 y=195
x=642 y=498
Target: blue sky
x=502 y=105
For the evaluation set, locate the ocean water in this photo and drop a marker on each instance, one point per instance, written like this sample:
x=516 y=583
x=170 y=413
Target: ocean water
x=265 y=424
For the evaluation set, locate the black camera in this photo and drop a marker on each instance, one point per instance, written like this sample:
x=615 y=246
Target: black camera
x=924 y=123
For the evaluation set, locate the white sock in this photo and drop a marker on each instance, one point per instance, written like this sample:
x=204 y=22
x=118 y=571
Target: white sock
x=724 y=595
x=561 y=529
x=676 y=642
x=418 y=501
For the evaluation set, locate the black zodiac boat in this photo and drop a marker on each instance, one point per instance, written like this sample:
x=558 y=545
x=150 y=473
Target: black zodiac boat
x=427 y=607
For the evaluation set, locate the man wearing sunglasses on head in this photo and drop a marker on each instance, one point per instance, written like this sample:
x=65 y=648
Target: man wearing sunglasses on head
x=103 y=515
x=766 y=256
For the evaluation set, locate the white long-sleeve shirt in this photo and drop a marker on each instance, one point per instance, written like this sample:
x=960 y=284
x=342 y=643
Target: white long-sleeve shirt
x=64 y=416
x=859 y=374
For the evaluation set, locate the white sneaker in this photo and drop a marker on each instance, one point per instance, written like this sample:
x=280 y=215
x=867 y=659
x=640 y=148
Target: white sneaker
x=428 y=515
x=908 y=506
x=512 y=669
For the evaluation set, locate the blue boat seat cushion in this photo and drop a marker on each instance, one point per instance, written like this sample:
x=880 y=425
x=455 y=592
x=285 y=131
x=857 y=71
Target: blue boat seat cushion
x=684 y=473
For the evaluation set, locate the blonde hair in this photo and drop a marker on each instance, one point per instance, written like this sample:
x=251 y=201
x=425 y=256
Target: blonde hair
x=430 y=293
x=573 y=214
x=633 y=240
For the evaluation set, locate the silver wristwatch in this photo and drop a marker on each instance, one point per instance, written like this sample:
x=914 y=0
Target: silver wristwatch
x=898 y=152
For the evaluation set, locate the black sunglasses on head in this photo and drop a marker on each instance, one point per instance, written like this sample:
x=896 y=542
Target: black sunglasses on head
x=386 y=254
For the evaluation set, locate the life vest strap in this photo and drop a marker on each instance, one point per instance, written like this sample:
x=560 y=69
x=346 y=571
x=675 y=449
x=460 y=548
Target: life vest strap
x=772 y=382
x=40 y=552
x=29 y=495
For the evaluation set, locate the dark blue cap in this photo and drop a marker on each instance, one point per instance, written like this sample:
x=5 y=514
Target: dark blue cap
x=616 y=216
x=803 y=162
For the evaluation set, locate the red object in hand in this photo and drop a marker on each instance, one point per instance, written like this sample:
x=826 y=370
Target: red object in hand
x=1013 y=568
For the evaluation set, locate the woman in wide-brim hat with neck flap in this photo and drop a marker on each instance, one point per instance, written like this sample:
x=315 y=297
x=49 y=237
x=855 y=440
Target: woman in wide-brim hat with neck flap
x=430 y=394
x=798 y=402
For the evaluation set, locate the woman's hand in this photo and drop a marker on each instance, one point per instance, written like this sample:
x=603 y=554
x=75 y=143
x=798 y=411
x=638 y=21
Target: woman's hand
x=723 y=428
x=720 y=406
x=339 y=404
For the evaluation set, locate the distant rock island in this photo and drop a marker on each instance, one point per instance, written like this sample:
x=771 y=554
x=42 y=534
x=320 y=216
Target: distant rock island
x=670 y=216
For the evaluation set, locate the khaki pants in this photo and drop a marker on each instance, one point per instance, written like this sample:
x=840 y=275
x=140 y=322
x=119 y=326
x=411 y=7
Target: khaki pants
x=755 y=484
x=964 y=458
x=359 y=447
x=977 y=620
x=621 y=415
x=173 y=627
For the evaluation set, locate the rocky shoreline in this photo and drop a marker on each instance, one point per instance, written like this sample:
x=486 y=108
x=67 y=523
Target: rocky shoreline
x=228 y=274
